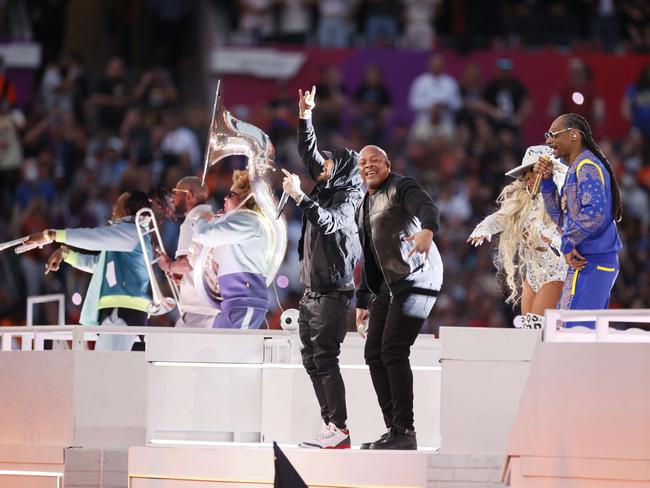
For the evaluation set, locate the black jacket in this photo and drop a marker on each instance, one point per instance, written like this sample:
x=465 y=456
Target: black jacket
x=399 y=208
x=334 y=248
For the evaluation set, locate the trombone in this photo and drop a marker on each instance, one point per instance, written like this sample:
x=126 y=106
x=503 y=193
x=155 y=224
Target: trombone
x=145 y=222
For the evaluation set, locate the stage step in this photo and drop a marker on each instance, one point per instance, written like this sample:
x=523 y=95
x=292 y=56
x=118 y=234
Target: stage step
x=248 y=466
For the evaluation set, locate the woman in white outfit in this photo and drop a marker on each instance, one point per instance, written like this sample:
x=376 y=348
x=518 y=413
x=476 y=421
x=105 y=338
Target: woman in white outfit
x=528 y=251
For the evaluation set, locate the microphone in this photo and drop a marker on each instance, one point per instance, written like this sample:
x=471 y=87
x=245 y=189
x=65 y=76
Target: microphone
x=538 y=181
x=283 y=202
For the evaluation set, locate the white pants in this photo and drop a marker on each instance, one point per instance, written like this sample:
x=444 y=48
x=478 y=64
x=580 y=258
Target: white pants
x=195 y=320
x=114 y=342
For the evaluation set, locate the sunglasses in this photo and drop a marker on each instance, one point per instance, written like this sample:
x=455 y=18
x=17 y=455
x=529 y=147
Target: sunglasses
x=553 y=135
x=180 y=190
x=232 y=194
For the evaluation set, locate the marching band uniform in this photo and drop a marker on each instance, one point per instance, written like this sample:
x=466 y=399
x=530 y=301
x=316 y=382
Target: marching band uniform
x=241 y=243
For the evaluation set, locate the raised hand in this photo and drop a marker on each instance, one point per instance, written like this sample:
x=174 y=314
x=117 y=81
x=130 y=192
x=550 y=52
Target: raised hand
x=306 y=101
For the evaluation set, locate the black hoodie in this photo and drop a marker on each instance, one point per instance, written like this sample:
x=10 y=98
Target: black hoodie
x=331 y=249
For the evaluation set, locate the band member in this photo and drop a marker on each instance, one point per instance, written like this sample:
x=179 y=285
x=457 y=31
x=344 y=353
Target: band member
x=188 y=200
x=527 y=254
x=586 y=209
x=241 y=242
x=118 y=290
x=403 y=269
x=329 y=250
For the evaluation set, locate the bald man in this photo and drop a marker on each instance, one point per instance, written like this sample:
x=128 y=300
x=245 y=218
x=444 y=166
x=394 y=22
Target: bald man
x=189 y=198
x=403 y=271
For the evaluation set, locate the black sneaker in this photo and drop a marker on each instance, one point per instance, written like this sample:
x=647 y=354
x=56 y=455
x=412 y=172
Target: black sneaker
x=366 y=445
x=397 y=439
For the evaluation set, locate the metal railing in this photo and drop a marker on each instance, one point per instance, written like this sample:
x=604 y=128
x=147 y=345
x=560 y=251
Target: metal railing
x=554 y=331
x=33 y=337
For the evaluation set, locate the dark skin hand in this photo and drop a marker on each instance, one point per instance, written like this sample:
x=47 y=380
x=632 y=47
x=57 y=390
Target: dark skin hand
x=575 y=260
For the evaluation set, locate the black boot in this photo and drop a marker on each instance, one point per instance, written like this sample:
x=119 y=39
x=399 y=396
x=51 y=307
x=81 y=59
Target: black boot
x=398 y=439
x=366 y=445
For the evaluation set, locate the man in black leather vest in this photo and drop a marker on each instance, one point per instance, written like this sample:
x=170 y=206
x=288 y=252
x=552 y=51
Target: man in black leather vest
x=329 y=251
x=403 y=270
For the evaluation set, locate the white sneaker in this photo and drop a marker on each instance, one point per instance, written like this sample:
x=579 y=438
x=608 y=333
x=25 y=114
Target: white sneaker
x=534 y=321
x=331 y=437
x=314 y=440
x=519 y=321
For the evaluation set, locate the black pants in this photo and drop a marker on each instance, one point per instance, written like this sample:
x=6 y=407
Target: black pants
x=323 y=324
x=395 y=322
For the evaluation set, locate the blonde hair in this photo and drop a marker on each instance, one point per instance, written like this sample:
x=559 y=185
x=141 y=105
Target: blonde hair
x=515 y=205
x=241 y=181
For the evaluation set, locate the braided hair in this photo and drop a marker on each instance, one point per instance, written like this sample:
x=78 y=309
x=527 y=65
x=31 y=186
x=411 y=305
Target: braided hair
x=579 y=123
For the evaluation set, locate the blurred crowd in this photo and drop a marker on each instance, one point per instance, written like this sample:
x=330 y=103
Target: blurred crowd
x=85 y=137
x=423 y=24
x=464 y=136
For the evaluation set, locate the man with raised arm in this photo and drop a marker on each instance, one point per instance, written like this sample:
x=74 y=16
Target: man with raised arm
x=328 y=250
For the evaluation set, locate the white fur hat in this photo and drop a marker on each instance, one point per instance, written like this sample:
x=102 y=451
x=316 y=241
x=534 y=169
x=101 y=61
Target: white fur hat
x=533 y=153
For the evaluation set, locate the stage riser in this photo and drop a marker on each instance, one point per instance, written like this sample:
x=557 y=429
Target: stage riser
x=251 y=389
x=72 y=398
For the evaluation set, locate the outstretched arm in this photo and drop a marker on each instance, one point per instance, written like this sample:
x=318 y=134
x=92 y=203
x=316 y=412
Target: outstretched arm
x=307 y=144
x=122 y=237
x=488 y=227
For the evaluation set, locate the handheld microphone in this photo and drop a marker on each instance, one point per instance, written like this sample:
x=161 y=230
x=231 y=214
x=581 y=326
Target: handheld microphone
x=538 y=180
x=283 y=202
x=536 y=185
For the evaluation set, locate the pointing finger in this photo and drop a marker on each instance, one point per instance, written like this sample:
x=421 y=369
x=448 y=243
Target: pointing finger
x=286 y=172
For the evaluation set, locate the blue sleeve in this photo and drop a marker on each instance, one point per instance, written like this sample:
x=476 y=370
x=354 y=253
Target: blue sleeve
x=588 y=210
x=552 y=202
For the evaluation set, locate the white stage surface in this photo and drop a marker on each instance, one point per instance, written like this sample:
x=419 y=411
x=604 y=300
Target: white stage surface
x=206 y=389
x=220 y=467
x=201 y=407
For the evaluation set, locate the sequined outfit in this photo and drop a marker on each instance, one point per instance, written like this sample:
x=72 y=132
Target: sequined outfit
x=542 y=265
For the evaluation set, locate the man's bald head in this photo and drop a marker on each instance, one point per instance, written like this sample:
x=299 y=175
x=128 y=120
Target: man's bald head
x=372 y=149
x=374 y=167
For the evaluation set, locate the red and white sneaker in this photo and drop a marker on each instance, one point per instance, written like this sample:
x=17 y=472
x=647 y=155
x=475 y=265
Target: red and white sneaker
x=331 y=437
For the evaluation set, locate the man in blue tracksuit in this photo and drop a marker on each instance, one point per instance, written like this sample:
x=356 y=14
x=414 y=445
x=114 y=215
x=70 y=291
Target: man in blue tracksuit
x=586 y=210
x=118 y=290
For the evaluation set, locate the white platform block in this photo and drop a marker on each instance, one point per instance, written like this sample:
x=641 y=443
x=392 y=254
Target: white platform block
x=253 y=467
x=484 y=372
x=584 y=418
x=72 y=398
x=31 y=466
x=252 y=387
